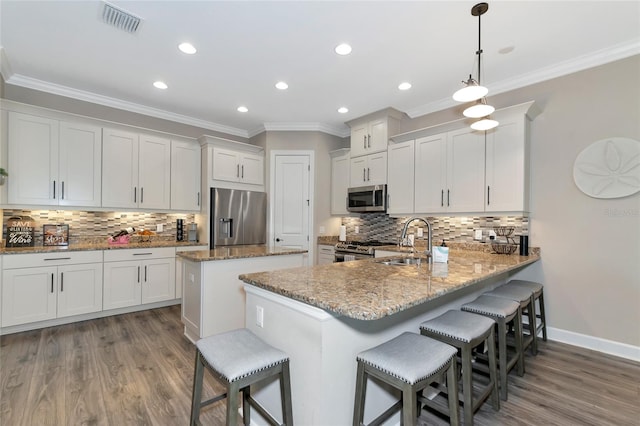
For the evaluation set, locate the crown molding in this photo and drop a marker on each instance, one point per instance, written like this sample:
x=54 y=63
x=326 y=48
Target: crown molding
x=340 y=131
x=56 y=89
x=5 y=67
x=580 y=63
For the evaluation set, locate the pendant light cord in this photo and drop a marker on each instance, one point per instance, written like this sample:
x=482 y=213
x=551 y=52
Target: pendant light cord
x=479 y=51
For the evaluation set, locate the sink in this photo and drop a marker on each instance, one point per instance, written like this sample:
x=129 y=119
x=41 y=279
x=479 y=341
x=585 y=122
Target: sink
x=402 y=261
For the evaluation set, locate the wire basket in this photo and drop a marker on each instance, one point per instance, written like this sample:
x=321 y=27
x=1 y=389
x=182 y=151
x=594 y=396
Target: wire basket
x=504 y=231
x=504 y=248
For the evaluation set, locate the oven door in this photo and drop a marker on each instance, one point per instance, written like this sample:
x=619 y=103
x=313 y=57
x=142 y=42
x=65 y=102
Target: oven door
x=367 y=199
x=344 y=256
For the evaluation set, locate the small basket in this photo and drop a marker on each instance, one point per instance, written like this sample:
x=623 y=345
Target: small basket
x=504 y=231
x=502 y=248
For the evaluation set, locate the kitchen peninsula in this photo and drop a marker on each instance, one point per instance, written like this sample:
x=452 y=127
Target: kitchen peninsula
x=213 y=299
x=323 y=316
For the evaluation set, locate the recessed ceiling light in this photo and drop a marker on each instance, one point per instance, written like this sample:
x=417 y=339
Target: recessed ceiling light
x=160 y=85
x=343 y=110
x=506 y=50
x=404 y=86
x=243 y=109
x=282 y=85
x=187 y=48
x=343 y=49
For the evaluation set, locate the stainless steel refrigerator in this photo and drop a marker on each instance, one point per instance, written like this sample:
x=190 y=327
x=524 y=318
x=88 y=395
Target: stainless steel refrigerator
x=237 y=217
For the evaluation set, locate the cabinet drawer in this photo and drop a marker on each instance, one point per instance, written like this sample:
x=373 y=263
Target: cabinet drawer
x=33 y=260
x=327 y=250
x=138 y=254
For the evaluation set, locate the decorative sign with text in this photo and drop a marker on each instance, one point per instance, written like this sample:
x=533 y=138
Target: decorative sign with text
x=20 y=231
x=55 y=235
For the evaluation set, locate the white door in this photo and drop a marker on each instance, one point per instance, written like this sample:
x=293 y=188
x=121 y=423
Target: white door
x=291 y=201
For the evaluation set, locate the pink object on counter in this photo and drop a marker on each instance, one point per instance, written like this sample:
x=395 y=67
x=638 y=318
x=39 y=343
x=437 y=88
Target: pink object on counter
x=122 y=239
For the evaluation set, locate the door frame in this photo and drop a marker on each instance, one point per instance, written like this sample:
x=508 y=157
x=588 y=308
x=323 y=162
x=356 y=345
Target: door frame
x=272 y=182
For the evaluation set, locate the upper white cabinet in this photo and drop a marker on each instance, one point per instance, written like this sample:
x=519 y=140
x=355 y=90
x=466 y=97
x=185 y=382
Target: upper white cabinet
x=231 y=164
x=400 y=177
x=371 y=134
x=136 y=170
x=185 y=175
x=340 y=164
x=369 y=170
x=53 y=162
x=449 y=172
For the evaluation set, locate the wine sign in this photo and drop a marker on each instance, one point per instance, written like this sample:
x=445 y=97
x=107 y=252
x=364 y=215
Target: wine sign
x=55 y=235
x=20 y=231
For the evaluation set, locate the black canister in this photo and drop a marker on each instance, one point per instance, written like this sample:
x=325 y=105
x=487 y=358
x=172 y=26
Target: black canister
x=180 y=230
x=524 y=245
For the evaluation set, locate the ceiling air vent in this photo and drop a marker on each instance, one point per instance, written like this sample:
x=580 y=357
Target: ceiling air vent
x=120 y=19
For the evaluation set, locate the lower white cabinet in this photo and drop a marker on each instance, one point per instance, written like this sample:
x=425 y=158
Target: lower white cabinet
x=326 y=254
x=39 y=287
x=138 y=276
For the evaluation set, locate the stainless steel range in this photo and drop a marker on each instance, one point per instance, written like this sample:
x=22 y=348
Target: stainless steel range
x=356 y=250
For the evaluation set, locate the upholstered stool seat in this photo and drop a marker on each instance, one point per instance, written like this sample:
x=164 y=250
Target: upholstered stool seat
x=502 y=311
x=409 y=363
x=538 y=295
x=524 y=296
x=239 y=359
x=467 y=331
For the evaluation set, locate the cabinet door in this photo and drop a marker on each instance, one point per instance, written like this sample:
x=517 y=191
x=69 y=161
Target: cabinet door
x=122 y=284
x=225 y=164
x=506 y=169
x=252 y=169
x=119 y=169
x=80 y=170
x=431 y=174
x=358 y=171
x=339 y=184
x=185 y=176
x=377 y=168
x=33 y=160
x=400 y=178
x=158 y=278
x=79 y=289
x=154 y=173
x=359 y=139
x=378 y=136
x=28 y=295
x=465 y=171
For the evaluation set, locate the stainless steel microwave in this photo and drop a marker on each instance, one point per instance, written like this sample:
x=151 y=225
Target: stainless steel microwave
x=367 y=199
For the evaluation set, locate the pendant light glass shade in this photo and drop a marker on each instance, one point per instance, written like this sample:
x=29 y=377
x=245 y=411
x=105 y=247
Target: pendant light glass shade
x=484 y=124
x=479 y=109
x=471 y=92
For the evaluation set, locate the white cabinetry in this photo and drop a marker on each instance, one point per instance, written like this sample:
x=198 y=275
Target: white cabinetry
x=400 y=178
x=369 y=170
x=185 y=175
x=371 y=134
x=449 y=173
x=340 y=164
x=237 y=166
x=39 y=287
x=138 y=276
x=326 y=254
x=136 y=170
x=53 y=162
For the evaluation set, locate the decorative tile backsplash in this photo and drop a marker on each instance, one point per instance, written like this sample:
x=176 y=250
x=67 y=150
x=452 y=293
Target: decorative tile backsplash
x=85 y=226
x=381 y=227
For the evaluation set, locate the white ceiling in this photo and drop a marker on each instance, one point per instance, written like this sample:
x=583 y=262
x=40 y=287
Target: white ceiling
x=245 y=47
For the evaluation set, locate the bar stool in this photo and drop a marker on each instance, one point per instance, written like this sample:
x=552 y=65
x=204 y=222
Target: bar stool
x=239 y=359
x=467 y=331
x=409 y=363
x=524 y=296
x=538 y=294
x=502 y=311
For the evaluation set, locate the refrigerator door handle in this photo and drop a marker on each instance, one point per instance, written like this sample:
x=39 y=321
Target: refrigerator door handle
x=226 y=227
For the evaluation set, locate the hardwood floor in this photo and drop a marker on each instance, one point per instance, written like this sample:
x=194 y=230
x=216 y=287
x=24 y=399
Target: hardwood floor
x=137 y=369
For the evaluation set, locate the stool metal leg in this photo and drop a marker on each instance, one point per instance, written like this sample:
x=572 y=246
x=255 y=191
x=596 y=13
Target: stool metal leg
x=196 y=395
x=285 y=395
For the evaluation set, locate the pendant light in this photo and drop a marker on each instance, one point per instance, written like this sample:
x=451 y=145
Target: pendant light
x=473 y=90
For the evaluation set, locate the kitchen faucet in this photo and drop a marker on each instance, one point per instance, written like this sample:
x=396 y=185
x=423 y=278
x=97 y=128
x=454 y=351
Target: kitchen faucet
x=403 y=234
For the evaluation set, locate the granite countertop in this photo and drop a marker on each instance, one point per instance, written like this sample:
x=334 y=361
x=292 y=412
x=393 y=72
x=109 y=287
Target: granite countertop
x=369 y=290
x=100 y=244
x=237 y=252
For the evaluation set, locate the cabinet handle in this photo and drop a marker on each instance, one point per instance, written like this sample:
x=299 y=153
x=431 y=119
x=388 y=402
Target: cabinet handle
x=237 y=170
x=142 y=254
x=242 y=176
x=145 y=273
x=62 y=190
x=364 y=175
x=368 y=141
x=135 y=194
x=58 y=258
x=61 y=282
x=364 y=141
x=141 y=195
x=368 y=174
x=138 y=274
x=447 y=198
x=442 y=198
x=198 y=198
x=488 y=198
x=54 y=189
x=51 y=283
